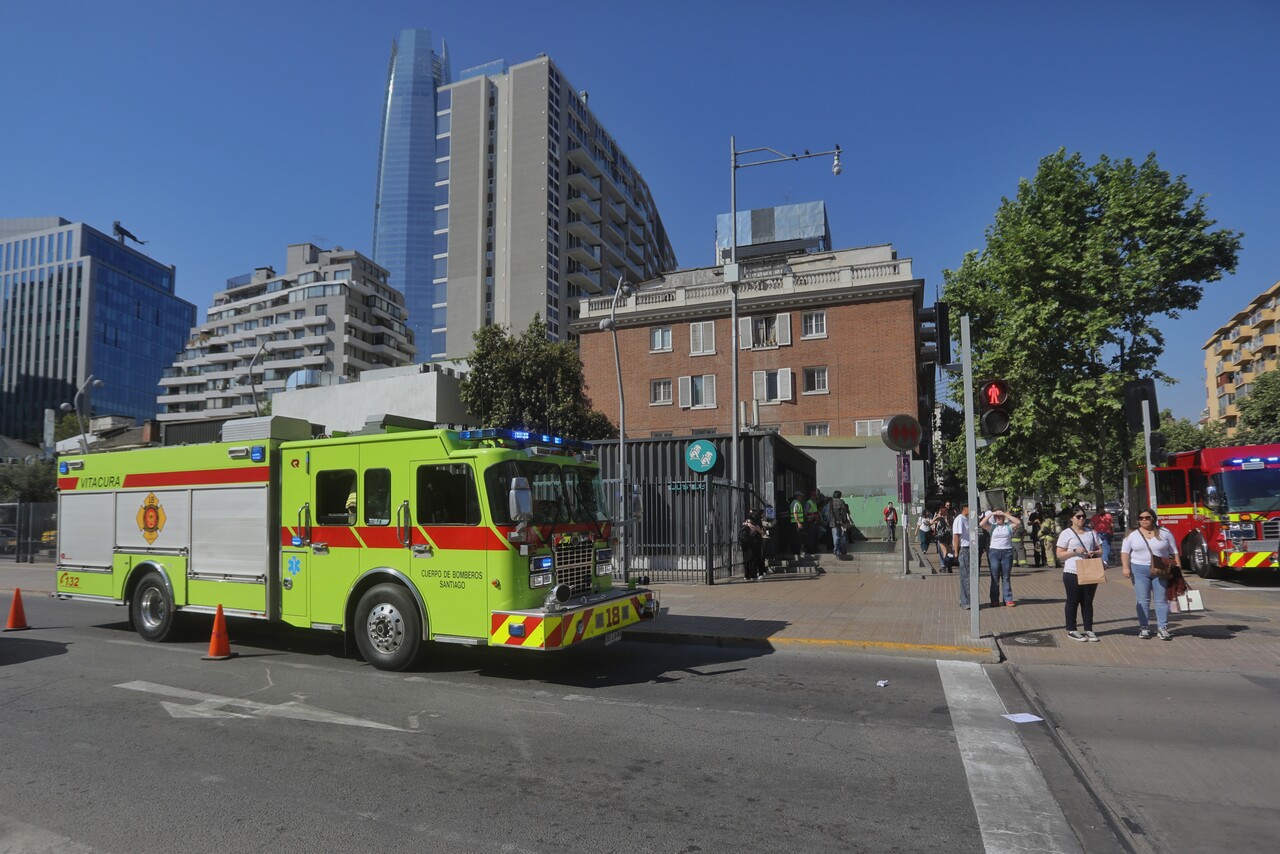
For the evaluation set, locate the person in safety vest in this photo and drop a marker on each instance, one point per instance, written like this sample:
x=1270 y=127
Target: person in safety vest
x=811 y=522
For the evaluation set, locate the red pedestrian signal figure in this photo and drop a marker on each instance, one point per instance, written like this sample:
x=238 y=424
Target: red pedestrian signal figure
x=995 y=419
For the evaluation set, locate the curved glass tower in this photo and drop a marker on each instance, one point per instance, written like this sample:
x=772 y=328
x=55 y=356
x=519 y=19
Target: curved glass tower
x=404 y=216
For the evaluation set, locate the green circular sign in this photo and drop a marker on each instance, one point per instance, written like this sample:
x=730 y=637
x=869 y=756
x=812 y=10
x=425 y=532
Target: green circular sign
x=701 y=456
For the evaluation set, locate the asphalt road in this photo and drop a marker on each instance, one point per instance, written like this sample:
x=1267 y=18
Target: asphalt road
x=112 y=744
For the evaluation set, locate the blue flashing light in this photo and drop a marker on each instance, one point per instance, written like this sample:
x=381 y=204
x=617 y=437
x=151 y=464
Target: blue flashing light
x=1273 y=459
x=258 y=453
x=62 y=467
x=524 y=436
x=542 y=563
x=1237 y=462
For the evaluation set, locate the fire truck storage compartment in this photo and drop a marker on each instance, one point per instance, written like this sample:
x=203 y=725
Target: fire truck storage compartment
x=172 y=533
x=231 y=534
x=86 y=523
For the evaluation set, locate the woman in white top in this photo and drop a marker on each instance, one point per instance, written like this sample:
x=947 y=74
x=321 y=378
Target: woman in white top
x=1150 y=540
x=1000 y=555
x=1074 y=543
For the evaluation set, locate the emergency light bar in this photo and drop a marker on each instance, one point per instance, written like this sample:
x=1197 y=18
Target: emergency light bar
x=525 y=438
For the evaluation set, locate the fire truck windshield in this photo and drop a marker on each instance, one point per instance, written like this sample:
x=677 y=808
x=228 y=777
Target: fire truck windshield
x=1249 y=491
x=561 y=494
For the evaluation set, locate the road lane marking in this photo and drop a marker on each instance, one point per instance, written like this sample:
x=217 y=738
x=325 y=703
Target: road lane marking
x=1016 y=811
x=215 y=706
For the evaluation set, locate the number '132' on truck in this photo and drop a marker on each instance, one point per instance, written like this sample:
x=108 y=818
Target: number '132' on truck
x=397 y=536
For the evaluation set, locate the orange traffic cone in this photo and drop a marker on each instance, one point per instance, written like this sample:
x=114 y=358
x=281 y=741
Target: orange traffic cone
x=219 y=646
x=17 y=617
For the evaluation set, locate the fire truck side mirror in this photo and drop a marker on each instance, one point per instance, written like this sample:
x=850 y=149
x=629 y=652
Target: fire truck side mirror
x=520 y=500
x=1214 y=500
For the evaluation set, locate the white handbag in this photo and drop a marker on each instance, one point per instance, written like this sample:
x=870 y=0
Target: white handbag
x=1190 y=601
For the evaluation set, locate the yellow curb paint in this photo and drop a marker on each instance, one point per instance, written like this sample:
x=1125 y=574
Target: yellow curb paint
x=927 y=647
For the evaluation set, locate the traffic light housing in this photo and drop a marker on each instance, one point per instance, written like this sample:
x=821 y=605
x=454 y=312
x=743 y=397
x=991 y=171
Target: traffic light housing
x=1137 y=394
x=995 y=401
x=935 y=335
x=1159 y=449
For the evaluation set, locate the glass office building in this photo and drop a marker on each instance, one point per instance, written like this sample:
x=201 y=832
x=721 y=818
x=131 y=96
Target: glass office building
x=75 y=303
x=404 y=211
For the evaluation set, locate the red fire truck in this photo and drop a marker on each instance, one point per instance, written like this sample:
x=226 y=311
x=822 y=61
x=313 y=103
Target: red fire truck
x=1222 y=505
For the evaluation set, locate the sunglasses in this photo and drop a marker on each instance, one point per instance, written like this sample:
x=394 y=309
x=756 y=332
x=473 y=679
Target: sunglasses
x=1146 y=518
x=1078 y=516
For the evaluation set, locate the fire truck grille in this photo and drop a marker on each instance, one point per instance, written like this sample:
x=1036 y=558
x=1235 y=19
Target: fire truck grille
x=574 y=566
x=1271 y=529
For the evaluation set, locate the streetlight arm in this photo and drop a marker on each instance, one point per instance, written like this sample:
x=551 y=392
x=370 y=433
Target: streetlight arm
x=781 y=158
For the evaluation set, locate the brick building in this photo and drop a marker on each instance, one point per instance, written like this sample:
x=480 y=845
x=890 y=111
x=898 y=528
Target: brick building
x=828 y=349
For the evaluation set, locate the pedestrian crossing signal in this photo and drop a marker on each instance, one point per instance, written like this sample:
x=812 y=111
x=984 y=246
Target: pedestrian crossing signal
x=994 y=397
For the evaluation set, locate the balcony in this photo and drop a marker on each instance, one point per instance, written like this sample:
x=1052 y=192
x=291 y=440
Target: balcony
x=584 y=253
x=585 y=184
x=584 y=230
x=588 y=280
x=582 y=158
x=585 y=208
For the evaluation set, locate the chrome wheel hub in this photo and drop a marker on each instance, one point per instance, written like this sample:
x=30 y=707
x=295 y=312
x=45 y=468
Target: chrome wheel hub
x=151 y=608
x=385 y=628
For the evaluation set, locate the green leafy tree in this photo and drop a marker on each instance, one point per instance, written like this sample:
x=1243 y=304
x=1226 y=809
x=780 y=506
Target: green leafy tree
x=530 y=382
x=35 y=481
x=66 y=427
x=1182 y=435
x=1259 y=422
x=1063 y=302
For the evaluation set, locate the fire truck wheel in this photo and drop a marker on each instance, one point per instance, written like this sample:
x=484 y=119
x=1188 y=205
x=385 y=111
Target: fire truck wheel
x=1198 y=557
x=152 y=608
x=387 y=627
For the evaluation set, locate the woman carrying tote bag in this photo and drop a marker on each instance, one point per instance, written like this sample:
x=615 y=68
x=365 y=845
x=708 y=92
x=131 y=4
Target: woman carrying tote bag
x=1075 y=543
x=1148 y=545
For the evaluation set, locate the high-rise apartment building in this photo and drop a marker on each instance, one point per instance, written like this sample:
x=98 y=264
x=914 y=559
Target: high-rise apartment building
x=329 y=316
x=535 y=206
x=75 y=303
x=1242 y=349
x=404 y=208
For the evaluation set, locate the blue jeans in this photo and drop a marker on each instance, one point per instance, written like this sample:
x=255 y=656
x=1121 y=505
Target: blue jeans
x=964 y=574
x=837 y=540
x=1146 y=585
x=1106 y=548
x=1000 y=563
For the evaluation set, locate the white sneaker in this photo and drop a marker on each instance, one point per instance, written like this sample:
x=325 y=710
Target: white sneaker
x=1091 y=637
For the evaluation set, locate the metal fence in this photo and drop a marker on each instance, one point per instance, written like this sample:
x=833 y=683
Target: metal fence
x=27 y=529
x=688 y=530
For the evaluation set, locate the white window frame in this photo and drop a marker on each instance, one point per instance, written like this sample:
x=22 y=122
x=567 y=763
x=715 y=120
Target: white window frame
x=665 y=333
x=654 y=398
x=760 y=386
x=868 y=427
x=826 y=380
x=686 y=384
x=817 y=428
x=702 y=338
x=816 y=316
x=781 y=332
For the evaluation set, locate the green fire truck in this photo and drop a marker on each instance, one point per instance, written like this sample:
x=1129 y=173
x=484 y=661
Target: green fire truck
x=395 y=535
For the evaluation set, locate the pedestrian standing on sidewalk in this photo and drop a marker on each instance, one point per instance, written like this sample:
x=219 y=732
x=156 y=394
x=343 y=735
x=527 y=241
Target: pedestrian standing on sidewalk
x=960 y=548
x=942 y=521
x=751 y=539
x=1140 y=549
x=891 y=521
x=1074 y=543
x=1103 y=526
x=839 y=519
x=924 y=530
x=1001 y=527
x=797 y=524
x=811 y=520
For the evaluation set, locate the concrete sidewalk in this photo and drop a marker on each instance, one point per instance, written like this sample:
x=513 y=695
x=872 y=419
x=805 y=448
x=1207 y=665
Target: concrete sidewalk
x=843 y=608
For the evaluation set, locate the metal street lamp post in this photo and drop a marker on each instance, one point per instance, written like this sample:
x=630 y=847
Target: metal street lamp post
x=91 y=382
x=610 y=324
x=733 y=278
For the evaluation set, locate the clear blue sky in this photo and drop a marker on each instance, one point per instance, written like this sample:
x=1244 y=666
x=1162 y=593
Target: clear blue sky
x=221 y=132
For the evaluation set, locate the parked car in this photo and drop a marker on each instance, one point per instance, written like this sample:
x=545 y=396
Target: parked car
x=8 y=540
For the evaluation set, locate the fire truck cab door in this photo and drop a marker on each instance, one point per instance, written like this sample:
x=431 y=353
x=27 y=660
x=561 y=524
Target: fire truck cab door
x=450 y=545
x=320 y=551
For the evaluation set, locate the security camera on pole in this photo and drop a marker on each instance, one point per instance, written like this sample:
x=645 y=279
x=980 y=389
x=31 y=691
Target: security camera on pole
x=902 y=433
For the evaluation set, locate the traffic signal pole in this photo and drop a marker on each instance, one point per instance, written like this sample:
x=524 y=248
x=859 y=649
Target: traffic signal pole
x=971 y=473
x=1146 y=441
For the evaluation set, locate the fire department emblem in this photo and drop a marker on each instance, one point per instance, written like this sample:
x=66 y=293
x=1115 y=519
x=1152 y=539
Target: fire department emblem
x=151 y=518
